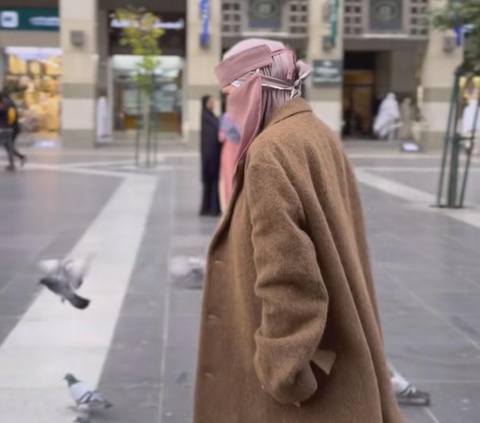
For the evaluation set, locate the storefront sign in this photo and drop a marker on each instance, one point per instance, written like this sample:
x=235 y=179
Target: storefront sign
x=29 y=20
x=265 y=14
x=176 y=26
x=327 y=72
x=386 y=15
x=205 y=13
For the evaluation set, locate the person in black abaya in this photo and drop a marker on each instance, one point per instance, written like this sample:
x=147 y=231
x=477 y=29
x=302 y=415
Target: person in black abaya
x=211 y=150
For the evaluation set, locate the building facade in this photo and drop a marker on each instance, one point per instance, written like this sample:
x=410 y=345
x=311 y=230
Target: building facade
x=66 y=54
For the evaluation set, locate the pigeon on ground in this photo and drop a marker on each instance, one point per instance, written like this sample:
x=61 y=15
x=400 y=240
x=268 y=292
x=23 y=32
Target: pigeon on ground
x=64 y=277
x=182 y=266
x=85 y=396
x=190 y=270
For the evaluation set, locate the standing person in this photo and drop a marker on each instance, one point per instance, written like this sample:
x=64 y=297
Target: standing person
x=386 y=122
x=15 y=125
x=290 y=328
x=211 y=150
x=230 y=137
x=471 y=117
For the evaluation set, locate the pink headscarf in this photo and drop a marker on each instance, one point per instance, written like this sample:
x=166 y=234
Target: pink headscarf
x=266 y=75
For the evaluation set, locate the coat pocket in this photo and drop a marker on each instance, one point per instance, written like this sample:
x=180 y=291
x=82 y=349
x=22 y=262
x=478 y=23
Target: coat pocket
x=324 y=360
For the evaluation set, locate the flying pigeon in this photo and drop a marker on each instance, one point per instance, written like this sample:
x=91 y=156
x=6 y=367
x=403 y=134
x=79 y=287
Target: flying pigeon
x=64 y=277
x=85 y=396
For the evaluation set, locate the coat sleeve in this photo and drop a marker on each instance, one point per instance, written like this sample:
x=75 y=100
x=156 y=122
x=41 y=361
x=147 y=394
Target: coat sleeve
x=289 y=284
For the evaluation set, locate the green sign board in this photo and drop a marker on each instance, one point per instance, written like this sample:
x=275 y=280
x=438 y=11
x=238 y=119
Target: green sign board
x=17 y=19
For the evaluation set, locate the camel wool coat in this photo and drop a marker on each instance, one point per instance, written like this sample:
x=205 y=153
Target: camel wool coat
x=289 y=328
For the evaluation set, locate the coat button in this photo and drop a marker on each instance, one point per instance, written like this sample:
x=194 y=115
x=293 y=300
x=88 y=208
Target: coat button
x=211 y=316
x=207 y=374
x=218 y=262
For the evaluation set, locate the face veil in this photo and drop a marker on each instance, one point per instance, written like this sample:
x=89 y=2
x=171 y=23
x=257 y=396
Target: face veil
x=266 y=75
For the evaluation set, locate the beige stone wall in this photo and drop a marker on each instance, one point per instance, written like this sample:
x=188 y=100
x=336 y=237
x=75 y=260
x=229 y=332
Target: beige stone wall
x=29 y=39
x=80 y=72
x=200 y=64
x=404 y=69
x=325 y=101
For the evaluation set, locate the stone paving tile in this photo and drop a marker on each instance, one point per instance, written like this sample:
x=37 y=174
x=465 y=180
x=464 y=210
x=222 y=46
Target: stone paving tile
x=419 y=329
x=425 y=265
x=423 y=362
x=455 y=402
x=416 y=415
x=42 y=215
x=142 y=406
x=452 y=302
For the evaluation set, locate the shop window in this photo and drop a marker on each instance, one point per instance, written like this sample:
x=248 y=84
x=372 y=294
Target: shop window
x=33 y=77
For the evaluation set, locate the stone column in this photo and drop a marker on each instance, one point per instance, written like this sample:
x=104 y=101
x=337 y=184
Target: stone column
x=79 y=42
x=200 y=65
x=326 y=101
x=437 y=82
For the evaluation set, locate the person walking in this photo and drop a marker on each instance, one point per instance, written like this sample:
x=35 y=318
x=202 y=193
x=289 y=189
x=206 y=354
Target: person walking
x=210 y=151
x=6 y=132
x=230 y=137
x=15 y=126
x=387 y=119
x=290 y=328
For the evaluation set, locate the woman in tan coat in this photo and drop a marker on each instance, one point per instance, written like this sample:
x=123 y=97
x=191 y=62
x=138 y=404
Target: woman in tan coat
x=290 y=330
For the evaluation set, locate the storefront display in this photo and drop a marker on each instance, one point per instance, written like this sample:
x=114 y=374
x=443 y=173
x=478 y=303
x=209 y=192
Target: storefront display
x=167 y=94
x=33 y=81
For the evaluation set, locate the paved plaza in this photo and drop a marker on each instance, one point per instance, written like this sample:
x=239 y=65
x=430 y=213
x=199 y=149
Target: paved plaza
x=138 y=339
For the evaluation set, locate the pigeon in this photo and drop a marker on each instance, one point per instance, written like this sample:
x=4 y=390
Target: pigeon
x=84 y=395
x=64 y=277
x=75 y=270
x=190 y=270
x=181 y=266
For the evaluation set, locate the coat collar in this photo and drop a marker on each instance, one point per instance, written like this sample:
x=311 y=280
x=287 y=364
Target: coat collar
x=290 y=108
